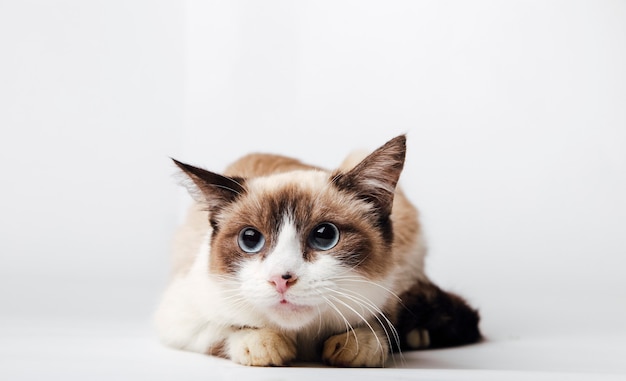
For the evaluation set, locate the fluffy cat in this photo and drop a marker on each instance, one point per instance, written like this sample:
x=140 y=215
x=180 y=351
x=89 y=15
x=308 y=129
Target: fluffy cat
x=280 y=261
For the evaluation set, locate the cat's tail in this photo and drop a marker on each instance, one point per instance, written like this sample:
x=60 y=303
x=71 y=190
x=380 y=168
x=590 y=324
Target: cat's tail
x=433 y=318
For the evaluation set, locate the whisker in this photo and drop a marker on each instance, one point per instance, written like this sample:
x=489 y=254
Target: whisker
x=349 y=327
x=319 y=327
x=378 y=314
x=228 y=188
x=359 y=279
x=372 y=309
x=353 y=295
x=362 y=280
x=380 y=345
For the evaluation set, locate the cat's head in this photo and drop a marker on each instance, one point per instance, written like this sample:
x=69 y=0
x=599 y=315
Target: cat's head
x=301 y=244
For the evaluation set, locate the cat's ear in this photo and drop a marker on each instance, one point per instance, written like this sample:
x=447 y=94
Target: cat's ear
x=209 y=188
x=374 y=179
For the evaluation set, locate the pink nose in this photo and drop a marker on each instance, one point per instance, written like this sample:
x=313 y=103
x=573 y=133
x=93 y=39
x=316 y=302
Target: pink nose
x=283 y=282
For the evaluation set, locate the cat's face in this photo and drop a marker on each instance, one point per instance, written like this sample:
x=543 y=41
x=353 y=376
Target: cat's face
x=293 y=242
x=303 y=245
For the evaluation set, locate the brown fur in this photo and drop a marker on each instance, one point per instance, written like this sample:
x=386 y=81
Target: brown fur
x=257 y=164
x=380 y=234
x=264 y=212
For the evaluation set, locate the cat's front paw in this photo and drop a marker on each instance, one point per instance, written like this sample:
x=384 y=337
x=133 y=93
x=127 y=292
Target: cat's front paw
x=261 y=347
x=358 y=348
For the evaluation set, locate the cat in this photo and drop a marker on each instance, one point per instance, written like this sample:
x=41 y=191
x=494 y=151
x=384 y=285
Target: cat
x=281 y=261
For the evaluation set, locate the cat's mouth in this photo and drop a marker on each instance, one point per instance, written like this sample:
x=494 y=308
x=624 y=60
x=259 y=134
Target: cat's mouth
x=289 y=315
x=285 y=304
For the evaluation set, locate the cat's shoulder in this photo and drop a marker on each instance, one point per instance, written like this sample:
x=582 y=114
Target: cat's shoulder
x=262 y=164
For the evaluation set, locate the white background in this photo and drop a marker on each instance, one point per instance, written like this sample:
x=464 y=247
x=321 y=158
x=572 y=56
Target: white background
x=516 y=119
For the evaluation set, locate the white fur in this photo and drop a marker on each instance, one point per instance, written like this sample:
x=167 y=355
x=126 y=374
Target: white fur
x=284 y=257
x=199 y=311
x=243 y=316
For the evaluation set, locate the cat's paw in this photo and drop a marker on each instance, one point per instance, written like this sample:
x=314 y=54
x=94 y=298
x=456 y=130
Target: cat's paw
x=358 y=348
x=418 y=339
x=261 y=347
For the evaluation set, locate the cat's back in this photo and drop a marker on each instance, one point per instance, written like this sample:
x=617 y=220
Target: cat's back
x=261 y=164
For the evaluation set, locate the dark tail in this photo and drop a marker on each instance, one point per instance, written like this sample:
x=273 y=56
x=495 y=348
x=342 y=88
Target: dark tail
x=447 y=317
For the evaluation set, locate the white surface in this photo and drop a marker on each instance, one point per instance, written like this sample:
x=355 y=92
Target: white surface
x=517 y=155
x=121 y=350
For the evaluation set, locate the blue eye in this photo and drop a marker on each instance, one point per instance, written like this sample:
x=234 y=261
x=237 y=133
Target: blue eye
x=251 y=240
x=324 y=236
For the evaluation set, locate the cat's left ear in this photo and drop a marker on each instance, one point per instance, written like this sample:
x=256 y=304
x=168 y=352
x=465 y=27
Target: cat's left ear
x=216 y=191
x=375 y=178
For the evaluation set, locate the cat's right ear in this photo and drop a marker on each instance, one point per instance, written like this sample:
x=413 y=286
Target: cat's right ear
x=209 y=188
x=374 y=179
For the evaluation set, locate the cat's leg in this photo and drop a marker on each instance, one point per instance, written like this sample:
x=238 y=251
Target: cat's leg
x=247 y=346
x=259 y=347
x=183 y=323
x=431 y=317
x=366 y=346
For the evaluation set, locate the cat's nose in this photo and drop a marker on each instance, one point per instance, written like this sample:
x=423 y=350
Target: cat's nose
x=283 y=282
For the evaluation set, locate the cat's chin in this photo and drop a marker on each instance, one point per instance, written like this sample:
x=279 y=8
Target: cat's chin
x=291 y=316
